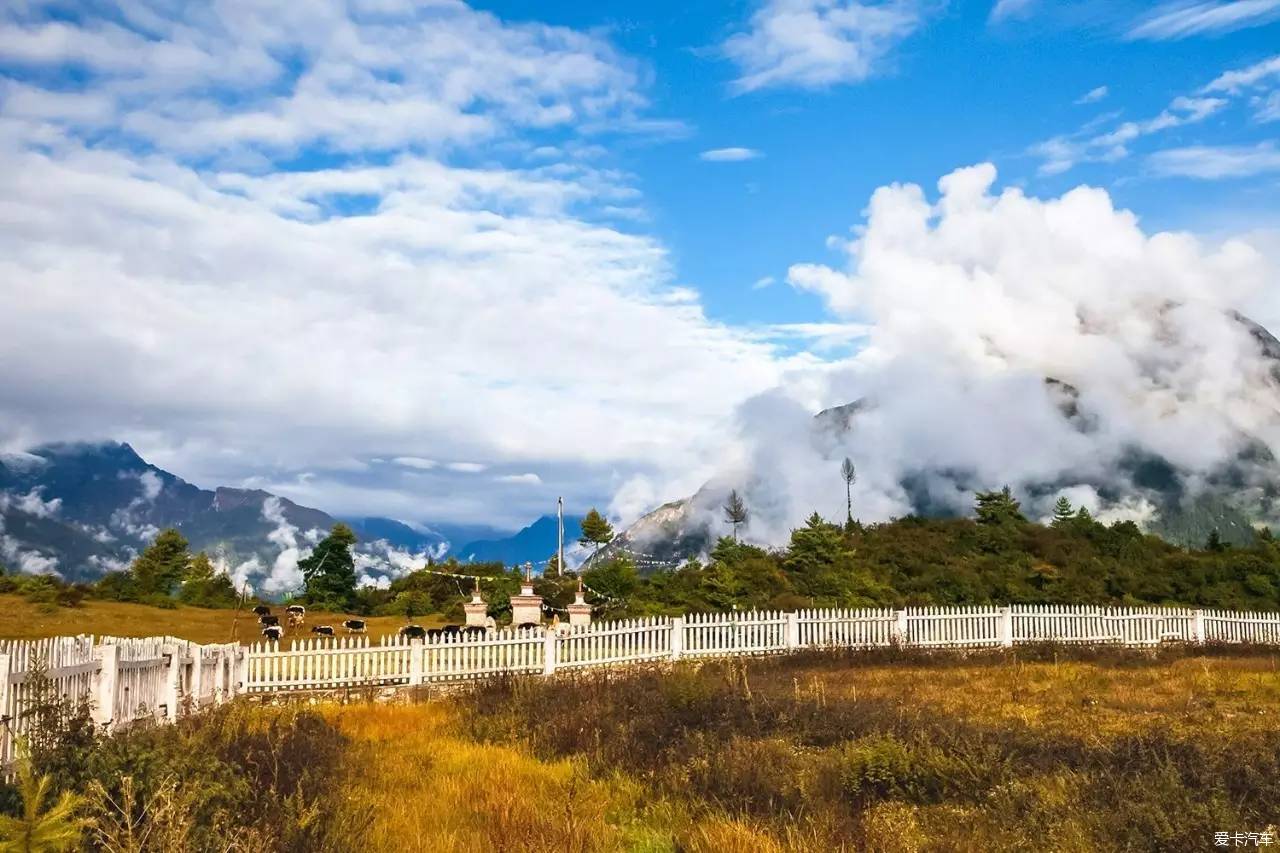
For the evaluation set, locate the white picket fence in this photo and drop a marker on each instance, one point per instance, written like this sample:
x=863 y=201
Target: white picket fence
x=327 y=663
x=123 y=680
x=159 y=678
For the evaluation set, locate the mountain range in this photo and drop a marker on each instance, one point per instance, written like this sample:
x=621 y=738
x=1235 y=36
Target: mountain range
x=1239 y=493
x=83 y=509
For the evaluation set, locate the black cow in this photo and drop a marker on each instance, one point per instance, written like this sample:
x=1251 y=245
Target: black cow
x=266 y=621
x=434 y=633
x=413 y=632
x=296 y=609
x=273 y=632
x=523 y=625
x=472 y=632
x=262 y=610
x=451 y=630
x=322 y=630
x=354 y=626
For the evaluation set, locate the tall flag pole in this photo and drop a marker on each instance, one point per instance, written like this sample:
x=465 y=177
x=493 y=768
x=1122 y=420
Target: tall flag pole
x=560 y=537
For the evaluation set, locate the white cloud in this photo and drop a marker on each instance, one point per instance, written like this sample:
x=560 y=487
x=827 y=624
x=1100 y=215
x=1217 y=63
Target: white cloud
x=31 y=503
x=466 y=467
x=249 y=320
x=1006 y=9
x=1235 y=81
x=1213 y=162
x=523 y=479
x=763 y=282
x=416 y=462
x=817 y=43
x=1093 y=95
x=1268 y=108
x=13 y=554
x=284 y=575
x=974 y=299
x=1180 y=20
x=1063 y=152
x=730 y=155
x=1261 y=81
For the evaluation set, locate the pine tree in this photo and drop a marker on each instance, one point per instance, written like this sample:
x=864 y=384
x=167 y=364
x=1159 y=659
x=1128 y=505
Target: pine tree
x=735 y=512
x=998 y=507
x=39 y=829
x=163 y=565
x=850 y=475
x=205 y=586
x=1062 y=512
x=596 y=531
x=1214 y=542
x=330 y=572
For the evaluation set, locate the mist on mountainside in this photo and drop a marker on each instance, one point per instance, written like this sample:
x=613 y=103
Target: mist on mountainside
x=1049 y=344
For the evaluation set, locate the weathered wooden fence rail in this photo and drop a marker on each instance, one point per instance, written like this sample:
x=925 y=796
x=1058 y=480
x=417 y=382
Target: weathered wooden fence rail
x=126 y=680
x=122 y=680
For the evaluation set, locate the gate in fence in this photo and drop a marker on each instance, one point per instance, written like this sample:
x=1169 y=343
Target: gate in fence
x=158 y=678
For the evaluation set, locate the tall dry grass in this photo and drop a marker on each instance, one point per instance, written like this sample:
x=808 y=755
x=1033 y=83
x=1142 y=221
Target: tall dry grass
x=427 y=787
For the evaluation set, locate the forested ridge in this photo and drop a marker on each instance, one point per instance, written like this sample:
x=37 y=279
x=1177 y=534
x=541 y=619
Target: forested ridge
x=995 y=557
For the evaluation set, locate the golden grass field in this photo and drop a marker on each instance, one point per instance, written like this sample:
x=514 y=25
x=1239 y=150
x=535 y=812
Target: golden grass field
x=24 y=620
x=1065 y=756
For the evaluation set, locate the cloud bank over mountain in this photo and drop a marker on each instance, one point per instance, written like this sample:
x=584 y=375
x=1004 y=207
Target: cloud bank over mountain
x=1051 y=344
x=273 y=245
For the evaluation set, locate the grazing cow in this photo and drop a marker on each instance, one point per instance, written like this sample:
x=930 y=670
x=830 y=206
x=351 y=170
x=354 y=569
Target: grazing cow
x=322 y=630
x=530 y=625
x=450 y=630
x=472 y=632
x=296 y=608
x=413 y=632
x=266 y=621
x=434 y=633
x=262 y=610
x=273 y=633
x=355 y=626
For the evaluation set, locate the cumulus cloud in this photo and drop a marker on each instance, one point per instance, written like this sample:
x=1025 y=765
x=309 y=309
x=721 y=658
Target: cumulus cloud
x=817 y=43
x=1011 y=339
x=282 y=214
x=1179 y=20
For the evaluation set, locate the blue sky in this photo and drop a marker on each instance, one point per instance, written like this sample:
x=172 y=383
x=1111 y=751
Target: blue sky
x=447 y=262
x=962 y=88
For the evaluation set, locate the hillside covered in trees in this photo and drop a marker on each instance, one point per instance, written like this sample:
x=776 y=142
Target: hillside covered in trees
x=997 y=556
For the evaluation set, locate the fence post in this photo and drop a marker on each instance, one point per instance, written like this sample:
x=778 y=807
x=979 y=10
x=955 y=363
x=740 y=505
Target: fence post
x=677 y=637
x=104 y=683
x=4 y=703
x=900 y=627
x=173 y=681
x=550 y=649
x=240 y=671
x=793 y=630
x=1197 y=627
x=1006 y=626
x=197 y=677
x=416 y=647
